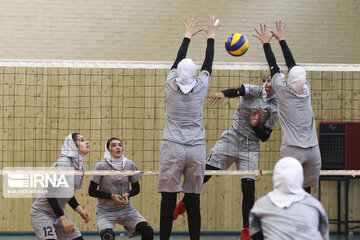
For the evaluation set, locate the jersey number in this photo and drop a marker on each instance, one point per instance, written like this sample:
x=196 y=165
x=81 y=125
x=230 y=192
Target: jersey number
x=48 y=231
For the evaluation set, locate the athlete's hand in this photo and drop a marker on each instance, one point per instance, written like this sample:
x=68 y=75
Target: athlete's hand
x=212 y=27
x=125 y=196
x=69 y=227
x=255 y=116
x=280 y=31
x=117 y=198
x=190 y=26
x=262 y=35
x=84 y=215
x=217 y=97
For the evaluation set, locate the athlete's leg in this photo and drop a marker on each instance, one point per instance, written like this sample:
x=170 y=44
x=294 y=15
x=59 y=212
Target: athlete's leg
x=192 y=203
x=248 y=190
x=168 y=203
x=145 y=230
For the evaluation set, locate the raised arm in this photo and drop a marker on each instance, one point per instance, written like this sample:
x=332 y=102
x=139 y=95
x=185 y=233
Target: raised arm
x=279 y=34
x=190 y=31
x=209 y=54
x=230 y=93
x=270 y=57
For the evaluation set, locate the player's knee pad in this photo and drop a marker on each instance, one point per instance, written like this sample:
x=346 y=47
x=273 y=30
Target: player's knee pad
x=145 y=230
x=248 y=186
x=79 y=238
x=107 y=234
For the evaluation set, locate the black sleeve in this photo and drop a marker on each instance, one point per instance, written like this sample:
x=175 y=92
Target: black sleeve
x=234 y=92
x=93 y=192
x=182 y=52
x=257 y=236
x=262 y=132
x=270 y=58
x=73 y=203
x=55 y=206
x=289 y=59
x=135 y=189
x=209 y=55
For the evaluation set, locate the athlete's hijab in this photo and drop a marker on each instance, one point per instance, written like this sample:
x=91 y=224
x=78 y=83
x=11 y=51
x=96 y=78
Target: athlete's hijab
x=288 y=179
x=297 y=81
x=116 y=163
x=264 y=95
x=186 y=70
x=69 y=149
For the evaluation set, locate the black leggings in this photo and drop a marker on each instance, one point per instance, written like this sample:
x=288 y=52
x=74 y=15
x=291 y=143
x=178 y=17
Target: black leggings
x=168 y=204
x=145 y=230
x=248 y=190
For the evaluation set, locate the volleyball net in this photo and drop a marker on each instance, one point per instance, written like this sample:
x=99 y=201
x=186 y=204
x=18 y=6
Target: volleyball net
x=41 y=102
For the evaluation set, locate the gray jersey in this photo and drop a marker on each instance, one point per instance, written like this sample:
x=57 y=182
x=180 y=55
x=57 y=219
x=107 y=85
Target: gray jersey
x=113 y=184
x=295 y=113
x=183 y=117
x=251 y=101
x=305 y=219
x=41 y=203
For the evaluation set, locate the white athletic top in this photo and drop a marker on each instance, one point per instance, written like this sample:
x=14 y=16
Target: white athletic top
x=114 y=184
x=305 y=220
x=184 y=112
x=251 y=101
x=295 y=113
x=41 y=203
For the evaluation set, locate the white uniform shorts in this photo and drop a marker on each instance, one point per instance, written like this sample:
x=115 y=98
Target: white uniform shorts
x=310 y=159
x=177 y=160
x=233 y=147
x=129 y=217
x=49 y=227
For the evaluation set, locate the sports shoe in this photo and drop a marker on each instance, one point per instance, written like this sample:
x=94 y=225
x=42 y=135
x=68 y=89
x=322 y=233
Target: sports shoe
x=179 y=210
x=245 y=234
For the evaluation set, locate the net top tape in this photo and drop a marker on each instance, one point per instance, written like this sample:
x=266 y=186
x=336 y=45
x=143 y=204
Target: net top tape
x=166 y=65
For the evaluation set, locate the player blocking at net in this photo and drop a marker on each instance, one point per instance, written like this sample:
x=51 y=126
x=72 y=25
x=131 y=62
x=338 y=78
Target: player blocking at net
x=183 y=148
x=299 y=138
x=253 y=121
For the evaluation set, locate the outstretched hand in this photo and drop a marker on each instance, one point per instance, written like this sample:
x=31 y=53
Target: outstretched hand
x=216 y=97
x=190 y=26
x=262 y=35
x=212 y=27
x=280 y=31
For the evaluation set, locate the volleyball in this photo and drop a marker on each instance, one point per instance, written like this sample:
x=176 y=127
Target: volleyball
x=236 y=44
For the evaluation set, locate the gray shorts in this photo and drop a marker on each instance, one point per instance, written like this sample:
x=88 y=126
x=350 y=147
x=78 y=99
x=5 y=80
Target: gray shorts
x=48 y=227
x=177 y=160
x=309 y=158
x=129 y=217
x=233 y=147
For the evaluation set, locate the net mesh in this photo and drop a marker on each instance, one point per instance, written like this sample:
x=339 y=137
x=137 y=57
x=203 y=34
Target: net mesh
x=41 y=103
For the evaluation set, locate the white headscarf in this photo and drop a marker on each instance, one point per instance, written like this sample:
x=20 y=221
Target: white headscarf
x=288 y=179
x=69 y=149
x=297 y=80
x=264 y=95
x=186 y=70
x=116 y=163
